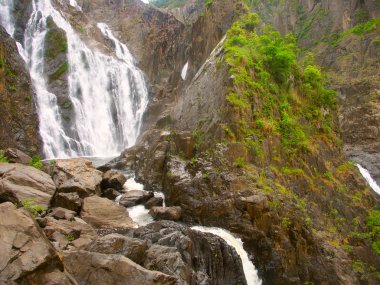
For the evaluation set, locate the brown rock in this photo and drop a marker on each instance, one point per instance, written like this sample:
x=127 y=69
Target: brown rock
x=154 y=202
x=99 y=269
x=135 y=197
x=166 y=213
x=113 y=179
x=77 y=175
x=110 y=193
x=77 y=228
x=70 y=201
x=62 y=213
x=103 y=213
x=17 y=156
x=19 y=182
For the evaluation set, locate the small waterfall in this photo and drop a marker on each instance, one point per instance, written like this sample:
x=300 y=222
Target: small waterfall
x=108 y=94
x=249 y=269
x=184 y=70
x=367 y=176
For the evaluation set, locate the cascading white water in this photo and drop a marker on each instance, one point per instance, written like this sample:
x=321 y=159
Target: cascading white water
x=108 y=94
x=367 y=176
x=249 y=269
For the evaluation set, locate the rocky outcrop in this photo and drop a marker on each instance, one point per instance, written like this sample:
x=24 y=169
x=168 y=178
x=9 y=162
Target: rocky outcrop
x=17 y=156
x=20 y=183
x=98 y=269
x=26 y=256
x=166 y=213
x=103 y=213
x=77 y=176
x=135 y=197
x=193 y=257
x=18 y=118
x=113 y=179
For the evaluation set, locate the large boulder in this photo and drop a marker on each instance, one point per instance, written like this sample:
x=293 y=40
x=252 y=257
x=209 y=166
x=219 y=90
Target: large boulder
x=70 y=201
x=20 y=182
x=103 y=213
x=26 y=255
x=77 y=175
x=154 y=202
x=192 y=256
x=135 y=197
x=17 y=156
x=99 y=269
x=166 y=213
x=115 y=243
x=113 y=179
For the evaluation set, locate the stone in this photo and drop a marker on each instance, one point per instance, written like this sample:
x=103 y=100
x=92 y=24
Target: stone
x=166 y=213
x=17 y=156
x=115 y=243
x=110 y=193
x=113 y=179
x=78 y=176
x=62 y=213
x=26 y=255
x=70 y=201
x=99 y=269
x=103 y=213
x=19 y=182
x=61 y=241
x=135 y=197
x=154 y=202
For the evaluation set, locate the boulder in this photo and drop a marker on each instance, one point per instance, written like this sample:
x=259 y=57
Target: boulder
x=154 y=202
x=77 y=175
x=17 y=156
x=62 y=213
x=115 y=243
x=70 y=201
x=135 y=197
x=26 y=255
x=99 y=269
x=103 y=213
x=113 y=179
x=166 y=213
x=19 y=182
x=111 y=194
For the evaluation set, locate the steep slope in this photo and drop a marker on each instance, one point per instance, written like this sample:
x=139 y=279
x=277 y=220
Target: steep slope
x=18 y=117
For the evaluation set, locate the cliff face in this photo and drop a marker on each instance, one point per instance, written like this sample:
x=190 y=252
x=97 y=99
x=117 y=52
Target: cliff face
x=18 y=117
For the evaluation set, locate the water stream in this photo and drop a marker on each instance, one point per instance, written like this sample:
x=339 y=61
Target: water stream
x=367 y=176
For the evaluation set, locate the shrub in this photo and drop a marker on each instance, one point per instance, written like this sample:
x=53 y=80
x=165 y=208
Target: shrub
x=31 y=207
x=3 y=158
x=240 y=162
x=36 y=162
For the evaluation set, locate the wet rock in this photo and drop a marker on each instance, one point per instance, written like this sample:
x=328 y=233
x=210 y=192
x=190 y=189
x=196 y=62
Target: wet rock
x=135 y=197
x=70 y=201
x=154 y=202
x=99 y=269
x=19 y=182
x=115 y=243
x=113 y=179
x=192 y=256
x=110 y=193
x=166 y=213
x=103 y=213
x=77 y=175
x=17 y=156
x=26 y=255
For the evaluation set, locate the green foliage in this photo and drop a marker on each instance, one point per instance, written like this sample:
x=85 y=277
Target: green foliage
x=64 y=67
x=27 y=99
x=373 y=223
x=36 y=162
x=240 y=162
x=198 y=137
x=69 y=237
x=168 y=3
x=281 y=96
x=208 y=3
x=55 y=42
x=3 y=158
x=367 y=27
x=31 y=207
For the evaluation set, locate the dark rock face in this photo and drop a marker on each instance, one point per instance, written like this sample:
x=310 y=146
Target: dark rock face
x=18 y=118
x=70 y=201
x=135 y=197
x=154 y=202
x=193 y=257
x=113 y=179
x=26 y=255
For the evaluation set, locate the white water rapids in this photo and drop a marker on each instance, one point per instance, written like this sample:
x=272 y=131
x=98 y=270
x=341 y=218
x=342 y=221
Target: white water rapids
x=367 y=176
x=108 y=94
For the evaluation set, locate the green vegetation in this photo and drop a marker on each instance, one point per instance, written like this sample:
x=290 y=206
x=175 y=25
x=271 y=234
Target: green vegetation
x=3 y=158
x=63 y=69
x=55 y=41
x=274 y=94
x=69 y=237
x=168 y=3
x=373 y=223
x=31 y=207
x=36 y=162
x=240 y=162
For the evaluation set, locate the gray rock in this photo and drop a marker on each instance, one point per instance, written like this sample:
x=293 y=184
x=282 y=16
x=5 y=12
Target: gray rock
x=154 y=202
x=110 y=193
x=135 y=197
x=103 y=213
x=19 y=182
x=17 y=156
x=166 y=213
x=62 y=213
x=115 y=243
x=99 y=269
x=113 y=179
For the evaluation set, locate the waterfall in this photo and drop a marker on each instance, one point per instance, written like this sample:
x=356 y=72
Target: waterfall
x=367 y=176
x=108 y=94
x=249 y=269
